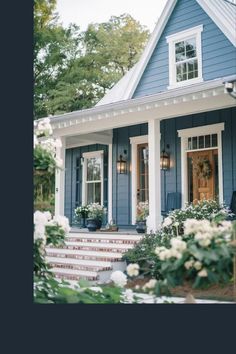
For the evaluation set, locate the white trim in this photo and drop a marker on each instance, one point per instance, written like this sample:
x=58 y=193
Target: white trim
x=184 y=134
x=110 y=182
x=223 y=15
x=60 y=180
x=154 y=139
x=202 y=130
x=135 y=141
x=87 y=155
x=181 y=36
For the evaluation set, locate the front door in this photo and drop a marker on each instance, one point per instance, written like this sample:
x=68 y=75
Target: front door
x=203 y=181
x=142 y=173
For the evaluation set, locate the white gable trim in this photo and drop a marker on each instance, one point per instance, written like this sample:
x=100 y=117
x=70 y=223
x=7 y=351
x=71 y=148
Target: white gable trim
x=141 y=65
x=221 y=17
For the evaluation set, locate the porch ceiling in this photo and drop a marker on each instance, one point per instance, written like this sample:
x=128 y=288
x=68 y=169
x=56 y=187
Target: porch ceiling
x=104 y=137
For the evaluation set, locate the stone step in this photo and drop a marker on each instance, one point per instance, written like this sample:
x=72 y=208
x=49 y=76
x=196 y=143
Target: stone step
x=74 y=274
x=82 y=254
x=81 y=264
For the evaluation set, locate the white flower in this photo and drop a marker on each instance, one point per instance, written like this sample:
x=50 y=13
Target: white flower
x=35 y=141
x=39 y=232
x=119 y=278
x=165 y=254
x=48 y=215
x=40 y=218
x=192 y=226
x=159 y=249
x=175 y=253
x=178 y=244
x=205 y=242
x=62 y=221
x=197 y=265
x=189 y=264
x=150 y=284
x=202 y=273
x=96 y=289
x=128 y=296
x=167 y=222
x=133 y=269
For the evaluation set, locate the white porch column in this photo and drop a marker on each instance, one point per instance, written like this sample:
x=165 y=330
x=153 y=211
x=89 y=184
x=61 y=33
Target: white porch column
x=154 y=137
x=110 y=182
x=60 y=181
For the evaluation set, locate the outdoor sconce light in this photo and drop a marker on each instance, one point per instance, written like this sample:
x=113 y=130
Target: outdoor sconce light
x=145 y=155
x=165 y=160
x=122 y=164
x=230 y=87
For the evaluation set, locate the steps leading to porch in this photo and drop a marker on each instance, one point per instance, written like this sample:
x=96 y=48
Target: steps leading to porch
x=92 y=256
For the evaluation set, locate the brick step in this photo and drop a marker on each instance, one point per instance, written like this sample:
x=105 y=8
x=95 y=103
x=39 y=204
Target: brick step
x=71 y=263
x=96 y=237
x=82 y=254
x=98 y=246
x=74 y=274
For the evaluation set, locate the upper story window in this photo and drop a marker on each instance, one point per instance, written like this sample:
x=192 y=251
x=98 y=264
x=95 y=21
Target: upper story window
x=185 y=57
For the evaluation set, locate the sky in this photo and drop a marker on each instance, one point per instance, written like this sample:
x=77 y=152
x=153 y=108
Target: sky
x=83 y=12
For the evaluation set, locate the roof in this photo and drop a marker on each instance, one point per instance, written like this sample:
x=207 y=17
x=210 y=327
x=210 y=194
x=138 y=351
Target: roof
x=222 y=12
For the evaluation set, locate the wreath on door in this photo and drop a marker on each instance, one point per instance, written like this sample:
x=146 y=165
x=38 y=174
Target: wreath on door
x=203 y=168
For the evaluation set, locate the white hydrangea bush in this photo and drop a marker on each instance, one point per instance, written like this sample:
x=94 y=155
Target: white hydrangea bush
x=204 y=258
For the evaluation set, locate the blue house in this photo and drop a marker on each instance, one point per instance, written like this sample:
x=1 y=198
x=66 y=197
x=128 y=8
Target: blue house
x=168 y=126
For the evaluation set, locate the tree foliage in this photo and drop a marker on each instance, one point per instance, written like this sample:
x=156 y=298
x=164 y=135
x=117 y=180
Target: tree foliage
x=73 y=69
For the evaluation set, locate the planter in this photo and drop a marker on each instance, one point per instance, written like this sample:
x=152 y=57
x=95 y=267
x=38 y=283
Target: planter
x=94 y=224
x=141 y=227
x=91 y=224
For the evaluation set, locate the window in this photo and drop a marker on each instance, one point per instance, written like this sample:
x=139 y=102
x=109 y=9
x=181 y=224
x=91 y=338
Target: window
x=185 y=58
x=93 y=177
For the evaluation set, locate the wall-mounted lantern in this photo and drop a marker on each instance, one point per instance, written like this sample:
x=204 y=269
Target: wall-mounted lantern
x=122 y=164
x=165 y=160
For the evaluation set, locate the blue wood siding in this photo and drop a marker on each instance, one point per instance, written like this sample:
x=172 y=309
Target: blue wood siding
x=73 y=177
x=218 y=53
x=171 y=179
x=121 y=191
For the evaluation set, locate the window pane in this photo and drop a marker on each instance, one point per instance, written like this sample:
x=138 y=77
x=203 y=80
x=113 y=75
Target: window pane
x=190 y=46
x=179 y=51
x=94 y=193
x=201 y=142
x=207 y=141
x=214 y=140
x=181 y=72
x=194 y=142
x=94 y=169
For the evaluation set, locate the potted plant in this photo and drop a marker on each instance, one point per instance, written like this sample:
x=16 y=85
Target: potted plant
x=95 y=216
x=81 y=212
x=142 y=214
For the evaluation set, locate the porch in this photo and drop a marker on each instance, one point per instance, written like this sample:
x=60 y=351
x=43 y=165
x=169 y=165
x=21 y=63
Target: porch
x=127 y=132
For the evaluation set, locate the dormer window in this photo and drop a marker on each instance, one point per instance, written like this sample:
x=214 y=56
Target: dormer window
x=185 y=57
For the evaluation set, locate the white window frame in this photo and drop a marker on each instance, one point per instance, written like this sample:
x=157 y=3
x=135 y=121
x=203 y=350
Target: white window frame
x=135 y=141
x=86 y=156
x=184 y=134
x=194 y=32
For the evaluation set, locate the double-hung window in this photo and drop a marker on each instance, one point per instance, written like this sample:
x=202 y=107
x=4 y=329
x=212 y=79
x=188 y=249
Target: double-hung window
x=93 y=177
x=185 y=57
